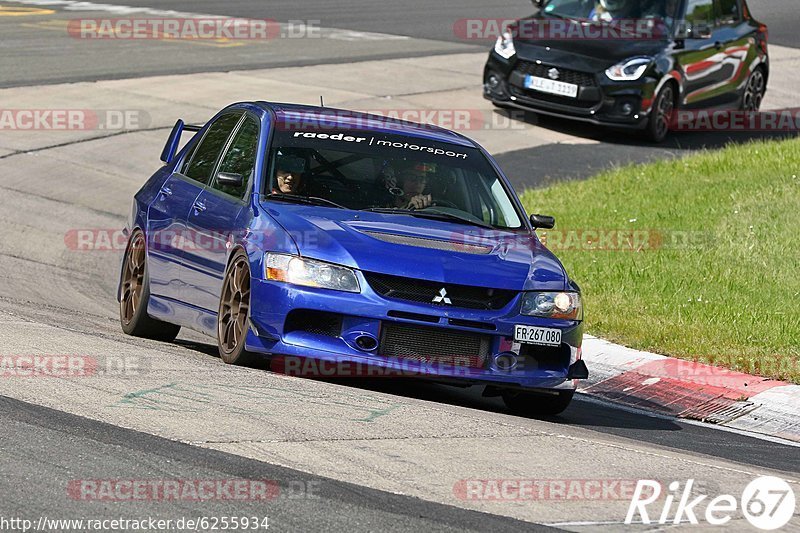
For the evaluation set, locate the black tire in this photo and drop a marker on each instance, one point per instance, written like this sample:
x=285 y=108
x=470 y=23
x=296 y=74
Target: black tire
x=754 y=91
x=135 y=295
x=234 y=312
x=531 y=404
x=660 y=119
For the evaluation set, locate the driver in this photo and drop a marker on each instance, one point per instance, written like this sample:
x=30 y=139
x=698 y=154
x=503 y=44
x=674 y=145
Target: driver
x=289 y=174
x=608 y=10
x=413 y=182
x=663 y=10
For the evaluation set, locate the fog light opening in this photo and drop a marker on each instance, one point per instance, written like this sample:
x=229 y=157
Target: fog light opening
x=493 y=85
x=505 y=361
x=366 y=343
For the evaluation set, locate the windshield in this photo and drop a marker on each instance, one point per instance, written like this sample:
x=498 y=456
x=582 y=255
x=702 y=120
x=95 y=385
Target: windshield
x=364 y=170
x=610 y=10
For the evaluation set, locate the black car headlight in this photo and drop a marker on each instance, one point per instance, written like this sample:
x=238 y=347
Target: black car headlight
x=309 y=273
x=505 y=45
x=565 y=305
x=629 y=70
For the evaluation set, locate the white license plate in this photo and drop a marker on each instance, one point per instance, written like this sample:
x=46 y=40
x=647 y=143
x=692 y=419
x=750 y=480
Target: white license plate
x=537 y=335
x=551 y=86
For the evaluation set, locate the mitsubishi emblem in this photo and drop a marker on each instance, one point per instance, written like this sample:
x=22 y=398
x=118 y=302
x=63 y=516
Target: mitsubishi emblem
x=553 y=73
x=442 y=298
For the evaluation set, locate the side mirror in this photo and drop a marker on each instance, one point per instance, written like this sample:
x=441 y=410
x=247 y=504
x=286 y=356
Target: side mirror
x=229 y=179
x=700 y=31
x=542 y=221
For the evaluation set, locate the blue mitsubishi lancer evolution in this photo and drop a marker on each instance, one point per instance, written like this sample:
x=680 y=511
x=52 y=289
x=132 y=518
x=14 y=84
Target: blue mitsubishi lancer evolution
x=314 y=234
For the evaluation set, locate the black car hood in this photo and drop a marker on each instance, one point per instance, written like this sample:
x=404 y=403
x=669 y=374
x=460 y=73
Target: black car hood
x=590 y=55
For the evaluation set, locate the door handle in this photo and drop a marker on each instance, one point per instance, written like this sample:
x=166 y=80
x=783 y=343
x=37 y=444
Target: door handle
x=166 y=191
x=199 y=206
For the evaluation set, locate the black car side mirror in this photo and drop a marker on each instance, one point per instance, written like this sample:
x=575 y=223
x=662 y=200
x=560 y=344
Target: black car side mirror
x=542 y=221
x=700 y=31
x=229 y=179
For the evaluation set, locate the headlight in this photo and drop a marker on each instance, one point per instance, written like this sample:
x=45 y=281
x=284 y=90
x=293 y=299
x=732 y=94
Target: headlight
x=505 y=46
x=629 y=70
x=553 y=305
x=310 y=273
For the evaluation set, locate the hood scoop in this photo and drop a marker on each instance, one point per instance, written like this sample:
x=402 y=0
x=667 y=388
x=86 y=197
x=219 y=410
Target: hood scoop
x=434 y=244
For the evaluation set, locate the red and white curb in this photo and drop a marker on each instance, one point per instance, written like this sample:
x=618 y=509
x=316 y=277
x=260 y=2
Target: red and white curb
x=687 y=389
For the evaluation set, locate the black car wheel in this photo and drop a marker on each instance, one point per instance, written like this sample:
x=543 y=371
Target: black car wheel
x=533 y=404
x=135 y=295
x=661 y=114
x=754 y=91
x=234 y=312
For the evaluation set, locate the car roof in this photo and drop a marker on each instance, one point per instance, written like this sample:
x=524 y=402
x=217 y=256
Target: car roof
x=341 y=118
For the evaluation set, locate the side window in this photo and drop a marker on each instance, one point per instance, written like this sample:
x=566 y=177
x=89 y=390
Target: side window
x=240 y=157
x=728 y=12
x=205 y=154
x=700 y=12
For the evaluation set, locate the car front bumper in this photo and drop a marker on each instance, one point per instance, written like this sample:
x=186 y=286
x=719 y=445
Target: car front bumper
x=437 y=342
x=599 y=100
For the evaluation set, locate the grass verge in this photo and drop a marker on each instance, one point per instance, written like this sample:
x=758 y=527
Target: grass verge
x=697 y=258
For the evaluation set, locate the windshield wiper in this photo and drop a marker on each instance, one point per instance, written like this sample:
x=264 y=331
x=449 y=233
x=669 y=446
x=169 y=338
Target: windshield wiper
x=561 y=16
x=310 y=200
x=437 y=215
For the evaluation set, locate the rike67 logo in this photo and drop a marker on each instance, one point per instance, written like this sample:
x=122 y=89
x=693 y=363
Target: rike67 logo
x=767 y=502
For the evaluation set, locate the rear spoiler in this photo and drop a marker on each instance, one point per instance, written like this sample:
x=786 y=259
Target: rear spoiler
x=174 y=139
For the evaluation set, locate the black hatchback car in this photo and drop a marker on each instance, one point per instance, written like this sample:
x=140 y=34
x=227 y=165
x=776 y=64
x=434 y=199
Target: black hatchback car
x=630 y=63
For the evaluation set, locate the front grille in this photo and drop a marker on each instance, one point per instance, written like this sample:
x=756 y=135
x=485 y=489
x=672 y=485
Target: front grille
x=413 y=316
x=421 y=291
x=581 y=79
x=434 y=345
x=553 y=98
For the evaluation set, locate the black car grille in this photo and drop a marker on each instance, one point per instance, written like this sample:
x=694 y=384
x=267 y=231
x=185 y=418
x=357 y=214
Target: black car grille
x=434 y=345
x=420 y=291
x=581 y=79
x=553 y=98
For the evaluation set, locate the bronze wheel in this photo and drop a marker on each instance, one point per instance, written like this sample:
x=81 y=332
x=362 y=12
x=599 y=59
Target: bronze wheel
x=234 y=311
x=132 y=280
x=134 y=296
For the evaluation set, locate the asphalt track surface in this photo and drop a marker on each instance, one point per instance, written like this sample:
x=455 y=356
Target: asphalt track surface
x=38 y=50
x=43 y=448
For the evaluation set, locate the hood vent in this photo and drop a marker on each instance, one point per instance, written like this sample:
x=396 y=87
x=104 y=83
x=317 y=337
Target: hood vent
x=435 y=244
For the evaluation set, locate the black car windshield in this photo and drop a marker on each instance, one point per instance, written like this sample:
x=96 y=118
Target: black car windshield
x=367 y=170
x=611 y=10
